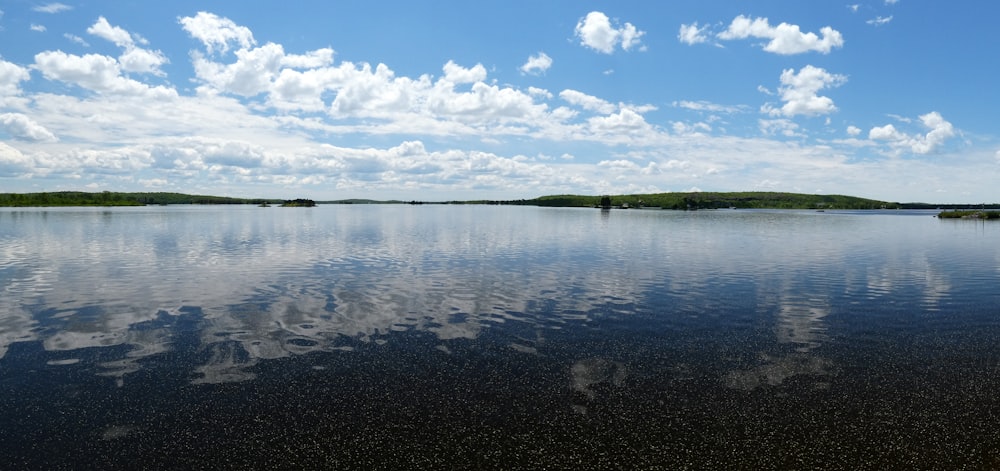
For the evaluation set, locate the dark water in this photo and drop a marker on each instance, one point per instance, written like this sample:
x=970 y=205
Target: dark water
x=497 y=337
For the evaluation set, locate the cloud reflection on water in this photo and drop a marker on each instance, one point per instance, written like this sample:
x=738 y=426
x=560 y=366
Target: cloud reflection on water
x=267 y=284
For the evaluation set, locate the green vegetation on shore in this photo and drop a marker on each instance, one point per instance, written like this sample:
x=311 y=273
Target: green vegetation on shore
x=678 y=201
x=716 y=200
x=299 y=203
x=110 y=198
x=969 y=214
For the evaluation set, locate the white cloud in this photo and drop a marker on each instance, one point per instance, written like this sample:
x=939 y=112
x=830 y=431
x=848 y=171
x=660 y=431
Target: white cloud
x=38 y=28
x=76 y=39
x=619 y=164
x=153 y=182
x=630 y=36
x=52 y=8
x=886 y=133
x=853 y=131
x=142 y=61
x=626 y=121
x=217 y=33
x=854 y=7
x=134 y=59
x=537 y=64
x=781 y=127
x=939 y=131
x=597 y=32
x=785 y=38
x=891 y=2
x=800 y=90
x=250 y=75
x=879 y=20
x=310 y=60
x=768 y=184
x=23 y=127
x=540 y=92
x=692 y=34
x=709 y=107
x=94 y=72
x=233 y=154
x=115 y=34
x=587 y=102
x=454 y=73
x=696 y=129
x=11 y=75
x=13 y=162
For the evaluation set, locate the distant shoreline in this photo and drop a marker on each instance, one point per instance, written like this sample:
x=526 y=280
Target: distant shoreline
x=671 y=200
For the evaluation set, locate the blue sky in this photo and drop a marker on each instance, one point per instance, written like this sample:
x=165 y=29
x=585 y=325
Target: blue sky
x=441 y=100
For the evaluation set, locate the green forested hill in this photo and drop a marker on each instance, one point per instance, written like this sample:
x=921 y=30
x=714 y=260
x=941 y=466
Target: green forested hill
x=109 y=198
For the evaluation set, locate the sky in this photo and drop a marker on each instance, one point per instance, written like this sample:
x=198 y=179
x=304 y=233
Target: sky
x=456 y=100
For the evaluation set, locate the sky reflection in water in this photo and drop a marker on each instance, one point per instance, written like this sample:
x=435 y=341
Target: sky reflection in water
x=644 y=307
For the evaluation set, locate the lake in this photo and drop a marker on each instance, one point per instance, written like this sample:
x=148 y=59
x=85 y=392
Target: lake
x=433 y=336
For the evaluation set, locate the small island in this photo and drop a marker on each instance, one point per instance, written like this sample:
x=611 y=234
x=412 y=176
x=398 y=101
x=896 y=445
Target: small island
x=298 y=203
x=969 y=214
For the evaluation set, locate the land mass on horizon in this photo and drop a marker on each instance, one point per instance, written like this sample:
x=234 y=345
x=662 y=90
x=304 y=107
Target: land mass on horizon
x=669 y=200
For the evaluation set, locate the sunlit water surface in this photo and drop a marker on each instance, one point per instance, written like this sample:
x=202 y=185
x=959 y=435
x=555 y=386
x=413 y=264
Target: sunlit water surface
x=500 y=337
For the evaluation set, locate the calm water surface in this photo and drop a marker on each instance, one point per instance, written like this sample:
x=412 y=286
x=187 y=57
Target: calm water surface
x=497 y=337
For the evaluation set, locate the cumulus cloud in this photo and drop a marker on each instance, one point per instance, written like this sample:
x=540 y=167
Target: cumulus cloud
x=625 y=122
x=693 y=34
x=597 y=32
x=250 y=75
x=233 y=154
x=447 y=105
x=310 y=60
x=454 y=73
x=217 y=33
x=38 y=28
x=784 y=38
x=587 y=102
x=135 y=58
x=540 y=92
x=22 y=127
x=94 y=72
x=115 y=34
x=12 y=161
x=939 y=131
x=11 y=75
x=853 y=131
x=800 y=91
x=52 y=8
x=537 y=64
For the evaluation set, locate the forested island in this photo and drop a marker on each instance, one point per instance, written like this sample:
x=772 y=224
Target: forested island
x=969 y=214
x=688 y=201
